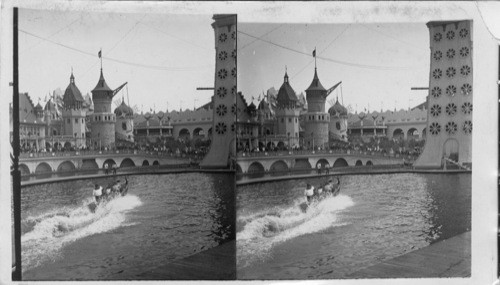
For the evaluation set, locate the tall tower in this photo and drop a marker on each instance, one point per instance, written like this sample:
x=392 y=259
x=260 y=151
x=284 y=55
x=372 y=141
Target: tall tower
x=74 y=114
x=103 y=119
x=288 y=113
x=449 y=115
x=224 y=100
x=316 y=119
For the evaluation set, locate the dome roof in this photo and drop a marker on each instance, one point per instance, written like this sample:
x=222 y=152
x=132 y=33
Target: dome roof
x=124 y=110
x=337 y=109
x=286 y=95
x=72 y=95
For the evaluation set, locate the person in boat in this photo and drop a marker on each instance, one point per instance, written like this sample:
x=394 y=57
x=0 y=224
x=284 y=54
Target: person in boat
x=97 y=193
x=328 y=187
x=336 y=187
x=309 y=193
x=318 y=192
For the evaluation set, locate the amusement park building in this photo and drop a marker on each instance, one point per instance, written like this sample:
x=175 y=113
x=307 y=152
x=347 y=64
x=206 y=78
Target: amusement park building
x=70 y=120
x=405 y=124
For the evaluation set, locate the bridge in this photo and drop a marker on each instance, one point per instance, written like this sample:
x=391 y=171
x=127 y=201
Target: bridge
x=44 y=163
x=285 y=161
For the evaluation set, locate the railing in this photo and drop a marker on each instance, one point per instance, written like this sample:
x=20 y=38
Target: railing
x=318 y=152
x=456 y=163
x=104 y=153
x=346 y=169
x=95 y=171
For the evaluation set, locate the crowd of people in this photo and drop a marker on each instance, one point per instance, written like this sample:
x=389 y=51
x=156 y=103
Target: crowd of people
x=380 y=145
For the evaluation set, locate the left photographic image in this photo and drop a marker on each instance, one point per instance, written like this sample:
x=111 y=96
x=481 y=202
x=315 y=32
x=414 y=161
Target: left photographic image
x=123 y=154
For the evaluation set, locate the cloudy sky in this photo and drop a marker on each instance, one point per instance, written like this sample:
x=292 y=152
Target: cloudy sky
x=162 y=57
x=377 y=63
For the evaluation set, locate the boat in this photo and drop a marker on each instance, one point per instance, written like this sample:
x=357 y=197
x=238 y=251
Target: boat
x=112 y=191
x=304 y=206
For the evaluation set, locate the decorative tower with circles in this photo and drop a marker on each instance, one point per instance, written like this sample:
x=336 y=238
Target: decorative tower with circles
x=223 y=143
x=449 y=116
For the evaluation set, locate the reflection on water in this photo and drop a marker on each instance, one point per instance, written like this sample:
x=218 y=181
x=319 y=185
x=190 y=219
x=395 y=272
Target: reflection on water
x=375 y=218
x=162 y=218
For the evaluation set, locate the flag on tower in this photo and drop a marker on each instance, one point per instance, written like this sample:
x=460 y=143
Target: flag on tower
x=314 y=52
x=99 y=53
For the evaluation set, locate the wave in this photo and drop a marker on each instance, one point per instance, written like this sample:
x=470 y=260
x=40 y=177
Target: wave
x=45 y=234
x=263 y=230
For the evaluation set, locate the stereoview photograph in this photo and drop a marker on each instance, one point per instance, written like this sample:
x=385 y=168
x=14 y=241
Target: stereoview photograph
x=123 y=160
x=355 y=158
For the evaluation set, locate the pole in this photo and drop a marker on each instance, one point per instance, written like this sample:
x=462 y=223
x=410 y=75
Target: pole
x=16 y=174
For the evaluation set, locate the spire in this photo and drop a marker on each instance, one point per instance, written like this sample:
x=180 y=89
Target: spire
x=316 y=84
x=286 y=75
x=72 y=77
x=101 y=85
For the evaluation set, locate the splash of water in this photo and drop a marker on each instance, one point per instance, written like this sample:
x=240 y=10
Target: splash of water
x=51 y=231
x=268 y=228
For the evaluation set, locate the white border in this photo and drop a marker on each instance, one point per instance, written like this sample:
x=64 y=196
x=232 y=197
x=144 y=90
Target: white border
x=485 y=136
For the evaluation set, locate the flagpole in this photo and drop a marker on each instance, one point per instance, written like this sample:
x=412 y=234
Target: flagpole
x=314 y=57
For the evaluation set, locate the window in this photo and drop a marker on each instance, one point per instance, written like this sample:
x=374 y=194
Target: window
x=282 y=120
x=124 y=126
x=75 y=135
x=295 y=120
x=68 y=120
x=83 y=121
x=337 y=125
x=289 y=120
x=76 y=121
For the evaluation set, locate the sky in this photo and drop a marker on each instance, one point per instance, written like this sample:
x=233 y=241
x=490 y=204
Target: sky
x=377 y=63
x=164 y=58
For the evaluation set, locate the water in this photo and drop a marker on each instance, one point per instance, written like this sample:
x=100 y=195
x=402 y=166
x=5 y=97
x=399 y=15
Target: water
x=375 y=218
x=161 y=219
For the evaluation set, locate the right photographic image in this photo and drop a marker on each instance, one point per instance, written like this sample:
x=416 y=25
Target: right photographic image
x=354 y=150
